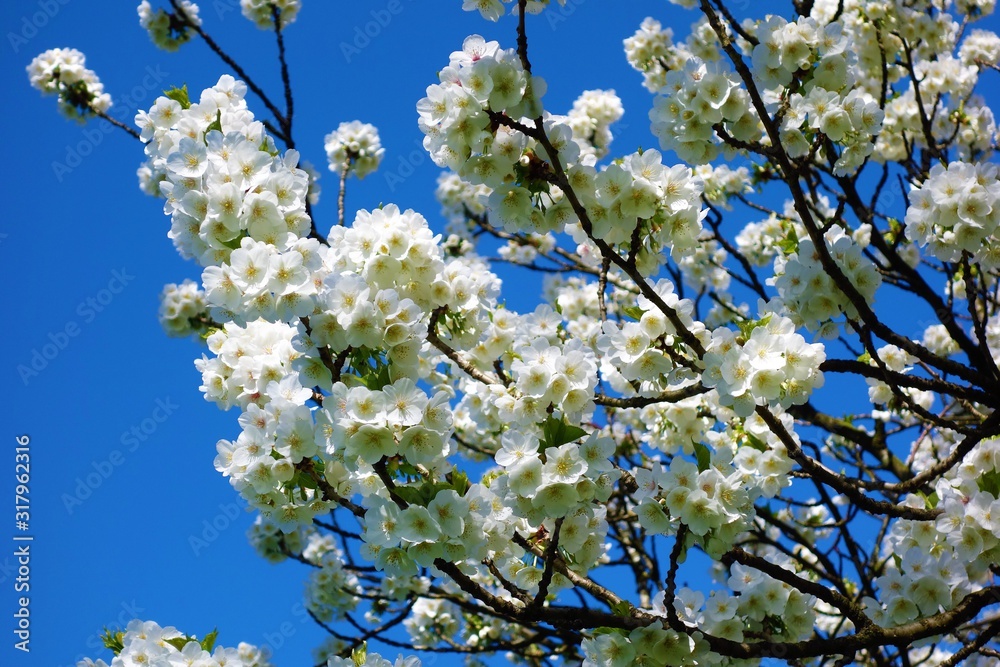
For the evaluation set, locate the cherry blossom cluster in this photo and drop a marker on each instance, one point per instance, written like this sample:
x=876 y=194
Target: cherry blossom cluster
x=700 y=100
x=692 y=102
x=480 y=83
x=183 y=309
x=786 y=47
x=761 y=604
x=955 y=211
x=63 y=72
x=703 y=267
x=712 y=504
x=751 y=458
x=664 y=203
x=721 y=183
x=271 y=543
x=549 y=483
x=492 y=10
x=459 y=199
x=372 y=660
x=548 y=373
x=810 y=294
x=354 y=148
x=261 y=12
x=167 y=29
x=636 y=357
x=756 y=602
x=936 y=565
x=331 y=590
x=222 y=176
x=253 y=369
x=647 y=50
x=769 y=365
x=590 y=119
x=652 y=51
x=455 y=527
x=897 y=399
x=980 y=47
x=652 y=644
x=431 y=619
x=146 y=643
x=760 y=242
x=993 y=336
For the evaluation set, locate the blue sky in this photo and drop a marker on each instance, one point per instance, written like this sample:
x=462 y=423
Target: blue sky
x=121 y=440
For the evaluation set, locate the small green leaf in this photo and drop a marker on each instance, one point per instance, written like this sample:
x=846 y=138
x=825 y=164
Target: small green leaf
x=623 y=609
x=459 y=481
x=179 y=95
x=989 y=483
x=215 y=124
x=360 y=654
x=178 y=642
x=113 y=640
x=788 y=246
x=865 y=358
x=411 y=494
x=234 y=244
x=609 y=631
x=703 y=455
x=635 y=312
x=556 y=432
x=930 y=501
x=208 y=641
x=756 y=442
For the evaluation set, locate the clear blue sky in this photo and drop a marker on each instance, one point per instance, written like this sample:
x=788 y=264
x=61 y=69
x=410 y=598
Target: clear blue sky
x=125 y=550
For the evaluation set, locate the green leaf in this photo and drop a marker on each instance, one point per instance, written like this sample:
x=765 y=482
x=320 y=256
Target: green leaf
x=635 y=312
x=411 y=494
x=459 y=481
x=704 y=456
x=990 y=483
x=234 y=244
x=756 y=442
x=360 y=654
x=208 y=641
x=747 y=326
x=865 y=358
x=788 y=245
x=113 y=640
x=178 y=642
x=179 y=95
x=930 y=501
x=215 y=124
x=557 y=432
x=609 y=631
x=623 y=609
